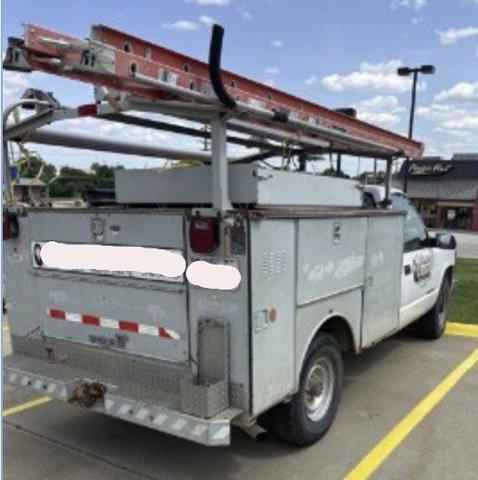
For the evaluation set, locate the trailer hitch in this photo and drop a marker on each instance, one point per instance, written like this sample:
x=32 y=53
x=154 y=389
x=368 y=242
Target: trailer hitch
x=88 y=393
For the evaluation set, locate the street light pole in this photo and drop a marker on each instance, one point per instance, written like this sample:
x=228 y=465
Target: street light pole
x=412 y=107
x=410 y=129
x=405 y=72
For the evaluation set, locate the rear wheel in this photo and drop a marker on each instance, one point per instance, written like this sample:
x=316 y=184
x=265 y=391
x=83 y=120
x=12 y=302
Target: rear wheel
x=432 y=324
x=310 y=413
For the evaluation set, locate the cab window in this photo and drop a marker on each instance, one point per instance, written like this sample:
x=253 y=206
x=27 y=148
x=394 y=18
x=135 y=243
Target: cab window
x=415 y=233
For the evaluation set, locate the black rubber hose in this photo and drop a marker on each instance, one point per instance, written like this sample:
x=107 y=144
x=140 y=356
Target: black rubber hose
x=215 y=50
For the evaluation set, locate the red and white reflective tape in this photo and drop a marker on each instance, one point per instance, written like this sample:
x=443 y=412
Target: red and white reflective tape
x=124 y=325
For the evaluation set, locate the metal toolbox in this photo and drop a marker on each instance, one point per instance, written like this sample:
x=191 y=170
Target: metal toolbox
x=248 y=184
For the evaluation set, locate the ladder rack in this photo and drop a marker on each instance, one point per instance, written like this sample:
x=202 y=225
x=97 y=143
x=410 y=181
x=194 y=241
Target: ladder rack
x=131 y=73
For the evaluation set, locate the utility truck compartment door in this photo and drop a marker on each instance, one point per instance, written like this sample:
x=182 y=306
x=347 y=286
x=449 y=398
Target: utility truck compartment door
x=272 y=310
x=142 y=314
x=382 y=278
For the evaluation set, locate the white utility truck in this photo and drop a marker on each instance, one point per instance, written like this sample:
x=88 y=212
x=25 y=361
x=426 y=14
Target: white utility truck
x=219 y=294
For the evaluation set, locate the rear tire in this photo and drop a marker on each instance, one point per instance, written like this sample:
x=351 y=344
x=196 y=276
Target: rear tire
x=309 y=414
x=432 y=324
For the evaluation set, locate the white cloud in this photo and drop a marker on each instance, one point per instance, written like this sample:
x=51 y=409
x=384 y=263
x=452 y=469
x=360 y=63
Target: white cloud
x=190 y=25
x=412 y=4
x=217 y=3
x=453 y=35
x=311 y=80
x=450 y=117
x=277 y=43
x=14 y=84
x=272 y=70
x=417 y=20
x=244 y=14
x=181 y=25
x=461 y=92
x=451 y=127
x=379 y=77
x=383 y=119
x=207 y=20
x=381 y=110
x=468 y=122
x=380 y=102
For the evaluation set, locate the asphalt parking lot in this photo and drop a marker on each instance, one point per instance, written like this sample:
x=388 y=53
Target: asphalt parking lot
x=382 y=390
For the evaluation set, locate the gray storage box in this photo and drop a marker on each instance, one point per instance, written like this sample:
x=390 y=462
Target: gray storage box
x=248 y=184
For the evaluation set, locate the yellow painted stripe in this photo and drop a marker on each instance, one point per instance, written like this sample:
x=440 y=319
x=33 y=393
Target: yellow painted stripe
x=395 y=437
x=25 y=406
x=462 y=329
x=6 y=328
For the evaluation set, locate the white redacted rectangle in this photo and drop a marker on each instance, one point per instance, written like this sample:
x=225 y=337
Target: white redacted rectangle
x=130 y=261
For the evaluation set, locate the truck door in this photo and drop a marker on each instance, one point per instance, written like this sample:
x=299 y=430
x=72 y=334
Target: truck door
x=416 y=298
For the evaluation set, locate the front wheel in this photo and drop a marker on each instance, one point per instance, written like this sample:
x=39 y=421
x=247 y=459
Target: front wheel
x=310 y=413
x=432 y=324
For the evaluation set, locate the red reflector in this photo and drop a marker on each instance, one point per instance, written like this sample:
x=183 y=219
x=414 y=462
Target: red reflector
x=58 y=314
x=90 y=320
x=203 y=234
x=90 y=109
x=164 y=333
x=129 y=326
x=10 y=226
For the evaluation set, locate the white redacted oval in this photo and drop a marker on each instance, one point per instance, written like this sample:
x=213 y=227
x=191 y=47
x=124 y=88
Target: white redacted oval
x=112 y=258
x=213 y=276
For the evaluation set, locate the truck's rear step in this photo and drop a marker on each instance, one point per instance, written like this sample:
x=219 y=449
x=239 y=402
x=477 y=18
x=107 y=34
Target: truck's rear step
x=131 y=400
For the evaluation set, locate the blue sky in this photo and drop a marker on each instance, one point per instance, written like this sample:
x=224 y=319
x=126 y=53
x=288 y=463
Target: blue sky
x=335 y=52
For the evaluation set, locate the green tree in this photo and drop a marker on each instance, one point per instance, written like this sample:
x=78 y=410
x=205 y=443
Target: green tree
x=105 y=171
x=76 y=182
x=370 y=177
x=31 y=164
x=71 y=181
x=331 y=172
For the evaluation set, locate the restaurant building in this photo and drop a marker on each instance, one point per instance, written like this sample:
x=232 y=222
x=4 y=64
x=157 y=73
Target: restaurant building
x=444 y=191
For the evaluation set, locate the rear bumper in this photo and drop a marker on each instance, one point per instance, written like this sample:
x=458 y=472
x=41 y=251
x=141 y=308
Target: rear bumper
x=60 y=382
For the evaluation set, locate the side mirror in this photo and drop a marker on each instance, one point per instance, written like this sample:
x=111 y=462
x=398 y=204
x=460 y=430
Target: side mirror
x=445 y=241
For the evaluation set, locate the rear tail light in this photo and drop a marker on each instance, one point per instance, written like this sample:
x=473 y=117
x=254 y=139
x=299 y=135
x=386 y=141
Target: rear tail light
x=87 y=110
x=10 y=226
x=203 y=234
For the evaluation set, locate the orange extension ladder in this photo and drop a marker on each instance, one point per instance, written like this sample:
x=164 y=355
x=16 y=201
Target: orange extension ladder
x=128 y=66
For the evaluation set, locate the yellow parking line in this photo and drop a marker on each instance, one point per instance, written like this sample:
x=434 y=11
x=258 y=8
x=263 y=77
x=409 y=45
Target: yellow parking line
x=395 y=437
x=25 y=406
x=462 y=329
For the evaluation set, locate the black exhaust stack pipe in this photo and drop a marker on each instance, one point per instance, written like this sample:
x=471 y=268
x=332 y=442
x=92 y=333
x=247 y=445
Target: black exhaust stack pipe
x=215 y=50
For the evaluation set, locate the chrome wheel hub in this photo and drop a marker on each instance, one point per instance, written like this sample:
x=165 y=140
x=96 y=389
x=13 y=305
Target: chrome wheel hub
x=319 y=389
